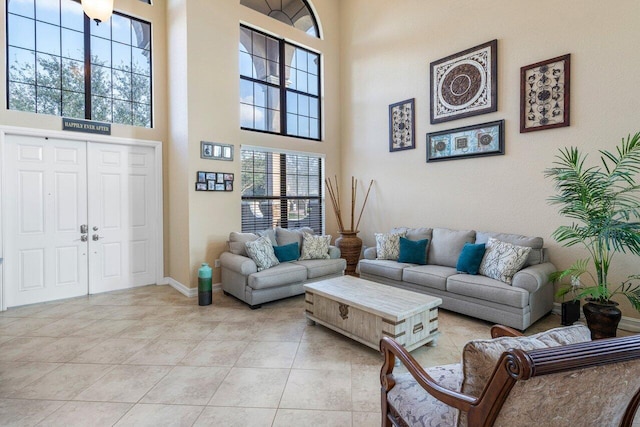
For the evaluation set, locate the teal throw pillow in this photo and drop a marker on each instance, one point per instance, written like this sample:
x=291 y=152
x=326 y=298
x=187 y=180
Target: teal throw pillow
x=413 y=251
x=470 y=258
x=288 y=252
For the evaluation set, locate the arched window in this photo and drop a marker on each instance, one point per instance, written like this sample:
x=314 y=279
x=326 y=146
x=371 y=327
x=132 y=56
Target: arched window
x=296 y=13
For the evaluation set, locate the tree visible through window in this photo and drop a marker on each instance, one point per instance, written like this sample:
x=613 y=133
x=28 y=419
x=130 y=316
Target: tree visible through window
x=281 y=190
x=60 y=63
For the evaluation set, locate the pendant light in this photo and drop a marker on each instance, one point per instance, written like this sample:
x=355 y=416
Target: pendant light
x=98 y=10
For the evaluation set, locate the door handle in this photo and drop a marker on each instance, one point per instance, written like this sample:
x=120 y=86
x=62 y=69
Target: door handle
x=83 y=229
x=95 y=237
x=83 y=238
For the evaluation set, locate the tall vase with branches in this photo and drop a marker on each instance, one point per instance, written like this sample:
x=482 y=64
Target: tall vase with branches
x=604 y=205
x=349 y=243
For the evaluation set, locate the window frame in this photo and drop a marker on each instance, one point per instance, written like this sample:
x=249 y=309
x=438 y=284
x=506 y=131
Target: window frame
x=86 y=36
x=250 y=225
x=282 y=86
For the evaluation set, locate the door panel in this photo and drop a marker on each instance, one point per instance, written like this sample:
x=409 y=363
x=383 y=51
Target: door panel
x=121 y=202
x=44 y=257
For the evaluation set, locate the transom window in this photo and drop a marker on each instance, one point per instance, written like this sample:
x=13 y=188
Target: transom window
x=296 y=13
x=60 y=63
x=279 y=86
x=281 y=190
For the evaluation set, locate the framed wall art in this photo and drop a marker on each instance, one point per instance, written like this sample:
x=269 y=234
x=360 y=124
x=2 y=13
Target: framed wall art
x=214 y=181
x=486 y=139
x=216 y=151
x=465 y=84
x=544 y=94
x=402 y=127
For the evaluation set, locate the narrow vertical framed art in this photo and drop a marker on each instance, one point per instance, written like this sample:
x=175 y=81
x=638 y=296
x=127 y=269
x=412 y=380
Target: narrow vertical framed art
x=402 y=125
x=545 y=94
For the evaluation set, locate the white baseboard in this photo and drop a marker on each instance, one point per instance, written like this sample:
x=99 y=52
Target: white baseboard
x=630 y=324
x=188 y=292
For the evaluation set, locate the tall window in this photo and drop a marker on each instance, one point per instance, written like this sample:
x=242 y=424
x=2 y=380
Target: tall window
x=281 y=190
x=279 y=86
x=60 y=63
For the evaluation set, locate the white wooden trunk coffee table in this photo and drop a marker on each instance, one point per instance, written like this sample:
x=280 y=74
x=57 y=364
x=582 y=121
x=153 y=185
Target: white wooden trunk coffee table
x=366 y=311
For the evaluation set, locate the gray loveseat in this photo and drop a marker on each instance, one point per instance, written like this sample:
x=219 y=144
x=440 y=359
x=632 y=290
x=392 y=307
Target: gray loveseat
x=241 y=278
x=519 y=304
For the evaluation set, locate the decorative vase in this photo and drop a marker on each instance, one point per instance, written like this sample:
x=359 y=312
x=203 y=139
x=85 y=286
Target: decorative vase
x=350 y=246
x=602 y=318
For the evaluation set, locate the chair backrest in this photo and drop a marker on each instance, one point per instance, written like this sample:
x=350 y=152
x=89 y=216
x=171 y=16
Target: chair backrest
x=596 y=383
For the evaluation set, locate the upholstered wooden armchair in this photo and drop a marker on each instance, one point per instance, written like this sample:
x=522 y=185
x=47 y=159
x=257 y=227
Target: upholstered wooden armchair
x=555 y=378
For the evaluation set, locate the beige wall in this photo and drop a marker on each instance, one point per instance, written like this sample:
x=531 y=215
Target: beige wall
x=385 y=55
x=203 y=66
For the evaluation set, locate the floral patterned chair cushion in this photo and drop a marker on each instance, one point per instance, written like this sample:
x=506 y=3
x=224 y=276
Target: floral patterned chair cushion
x=418 y=407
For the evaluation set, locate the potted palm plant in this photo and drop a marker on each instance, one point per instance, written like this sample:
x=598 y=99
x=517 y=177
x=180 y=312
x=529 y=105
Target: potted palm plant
x=603 y=204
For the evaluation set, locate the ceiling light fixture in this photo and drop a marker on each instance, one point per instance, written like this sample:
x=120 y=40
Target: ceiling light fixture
x=98 y=10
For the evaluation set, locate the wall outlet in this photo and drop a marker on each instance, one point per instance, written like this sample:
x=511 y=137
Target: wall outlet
x=216 y=263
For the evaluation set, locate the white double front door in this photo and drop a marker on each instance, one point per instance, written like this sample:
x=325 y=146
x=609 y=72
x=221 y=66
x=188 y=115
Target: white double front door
x=79 y=218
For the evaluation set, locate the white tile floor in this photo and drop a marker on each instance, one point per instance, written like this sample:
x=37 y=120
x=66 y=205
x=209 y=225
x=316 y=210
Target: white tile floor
x=150 y=356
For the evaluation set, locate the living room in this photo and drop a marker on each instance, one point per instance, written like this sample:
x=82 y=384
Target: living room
x=374 y=54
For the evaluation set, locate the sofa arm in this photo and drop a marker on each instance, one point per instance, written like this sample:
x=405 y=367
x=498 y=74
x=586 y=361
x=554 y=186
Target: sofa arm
x=334 y=252
x=370 y=253
x=238 y=263
x=533 y=277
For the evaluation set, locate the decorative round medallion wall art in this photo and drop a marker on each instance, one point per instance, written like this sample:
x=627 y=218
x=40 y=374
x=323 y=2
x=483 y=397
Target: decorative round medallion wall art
x=465 y=84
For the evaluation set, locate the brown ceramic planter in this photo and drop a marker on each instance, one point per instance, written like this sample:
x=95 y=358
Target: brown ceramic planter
x=602 y=318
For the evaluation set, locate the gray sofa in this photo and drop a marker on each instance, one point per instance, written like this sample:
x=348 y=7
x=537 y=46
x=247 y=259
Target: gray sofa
x=519 y=304
x=241 y=278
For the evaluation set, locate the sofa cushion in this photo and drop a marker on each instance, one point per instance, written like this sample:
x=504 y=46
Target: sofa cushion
x=261 y=252
x=285 y=236
x=384 y=268
x=280 y=275
x=503 y=259
x=413 y=252
x=323 y=267
x=479 y=357
x=431 y=276
x=487 y=289
x=271 y=234
x=446 y=245
x=388 y=245
x=287 y=253
x=315 y=247
x=536 y=256
x=414 y=233
x=237 y=242
x=470 y=258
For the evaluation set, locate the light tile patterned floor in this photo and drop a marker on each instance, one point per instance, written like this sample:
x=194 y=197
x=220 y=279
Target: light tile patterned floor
x=150 y=356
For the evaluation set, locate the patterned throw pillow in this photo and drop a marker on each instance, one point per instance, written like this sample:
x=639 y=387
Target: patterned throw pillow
x=315 y=247
x=261 y=252
x=502 y=260
x=388 y=245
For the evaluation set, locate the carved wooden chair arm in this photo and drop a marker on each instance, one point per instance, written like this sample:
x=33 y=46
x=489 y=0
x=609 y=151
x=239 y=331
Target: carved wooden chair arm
x=498 y=331
x=390 y=349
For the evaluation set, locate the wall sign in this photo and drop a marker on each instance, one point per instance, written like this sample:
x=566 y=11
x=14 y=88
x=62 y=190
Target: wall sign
x=88 y=126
